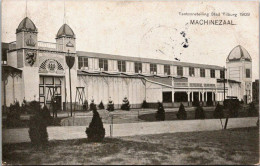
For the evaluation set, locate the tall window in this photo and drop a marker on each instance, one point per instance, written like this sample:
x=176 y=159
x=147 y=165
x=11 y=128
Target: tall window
x=212 y=73
x=103 y=64
x=121 y=66
x=167 y=70
x=153 y=68
x=82 y=62
x=191 y=71
x=222 y=74
x=138 y=67
x=247 y=73
x=179 y=70
x=202 y=72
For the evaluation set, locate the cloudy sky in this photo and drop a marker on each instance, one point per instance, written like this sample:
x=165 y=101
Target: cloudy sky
x=142 y=29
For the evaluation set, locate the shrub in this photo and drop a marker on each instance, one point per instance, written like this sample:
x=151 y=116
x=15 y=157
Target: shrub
x=13 y=115
x=38 y=127
x=160 y=114
x=181 y=113
x=209 y=103
x=110 y=105
x=85 y=105
x=33 y=107
x=24 y=107
x=95 y=131
x=101 y=105
x=145 y=104
x=218 y=113
x=251 y=111
x=233 y=106
x=92 y=106
x=199 y=113
x=126 y=104
x=46 y=115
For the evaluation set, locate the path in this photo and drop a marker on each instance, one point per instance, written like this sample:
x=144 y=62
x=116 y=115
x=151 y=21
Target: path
x=130 y=129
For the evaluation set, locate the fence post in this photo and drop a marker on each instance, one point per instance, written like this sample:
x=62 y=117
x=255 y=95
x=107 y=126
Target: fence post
x=111 y=126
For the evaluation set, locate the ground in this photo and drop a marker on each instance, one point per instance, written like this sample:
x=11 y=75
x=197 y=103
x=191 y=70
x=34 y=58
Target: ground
x=233 y=146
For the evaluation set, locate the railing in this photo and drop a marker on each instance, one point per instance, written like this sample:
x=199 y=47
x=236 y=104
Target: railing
x=50 y=46
x=195 y=85
x=209 y=85
x=12 y=45
x=181 y=84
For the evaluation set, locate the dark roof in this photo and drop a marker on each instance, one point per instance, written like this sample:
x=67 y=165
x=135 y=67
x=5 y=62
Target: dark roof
x=26 y=25
x=65 y=31
x=238 y=53
x=147 y=60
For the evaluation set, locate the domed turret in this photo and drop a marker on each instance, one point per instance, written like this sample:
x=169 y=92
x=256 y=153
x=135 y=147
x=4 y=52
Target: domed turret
x=26 y=25
x=65 y=31
x=238 y=53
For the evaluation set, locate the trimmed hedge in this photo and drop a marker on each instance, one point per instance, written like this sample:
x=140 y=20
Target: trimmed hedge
x=181 y=114
x=160 y=114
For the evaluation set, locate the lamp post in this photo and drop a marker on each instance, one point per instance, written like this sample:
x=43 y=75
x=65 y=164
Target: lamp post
x=70 y=62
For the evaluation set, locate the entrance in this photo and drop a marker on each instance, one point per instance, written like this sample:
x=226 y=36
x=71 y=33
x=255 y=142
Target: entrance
x=167 y=97
x=50 y=86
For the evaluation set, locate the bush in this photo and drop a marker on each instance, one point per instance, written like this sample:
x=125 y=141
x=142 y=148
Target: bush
x=218 y=113
x=181 y=113
x=85 y=105
x=46 y=115
x=92 y=106
x=160 y=114
x=33 y=107
x=145 y=104
x=125 y=105
x=95 y=131
x=209 y=103
x=233 y=106
x=110 y=105
x=252 y=111
x=13 y=115
x=38 y=127
x=195 y=103
x=199 y=113
x=101 y=105
x=24 y=107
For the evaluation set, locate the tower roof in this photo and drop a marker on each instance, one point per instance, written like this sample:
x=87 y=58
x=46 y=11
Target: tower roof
x=26 y=25
x=65 y=31
x=238 y=53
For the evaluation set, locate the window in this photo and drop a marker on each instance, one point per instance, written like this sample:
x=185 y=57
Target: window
x=247 y=73
x=212 y=73
x=82 y=62
x=138 y=67
x=121 y=66
x=179 y=70
x=202 y=72
x=191 y=71
x=222 y=74
x=103 y=64
x=153 y=68
x=167 y=70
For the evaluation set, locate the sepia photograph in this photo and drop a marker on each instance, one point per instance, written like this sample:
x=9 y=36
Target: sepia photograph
x=130 y=82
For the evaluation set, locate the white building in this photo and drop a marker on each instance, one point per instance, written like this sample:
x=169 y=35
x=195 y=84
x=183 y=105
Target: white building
x=42 y=72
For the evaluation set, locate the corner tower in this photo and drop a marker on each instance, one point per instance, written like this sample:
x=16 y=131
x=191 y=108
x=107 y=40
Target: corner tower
x=239 y=68
x=65 y=39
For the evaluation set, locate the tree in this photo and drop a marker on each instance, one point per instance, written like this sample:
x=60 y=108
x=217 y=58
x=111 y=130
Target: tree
x=145 y=104
x=110 y=105
x=251 y=111
x=101 y=105
x=160 y=114
x=95 y=131
x=33 y=107
x=199 y=113
x=126 y=104
x=38 y=127
x=182 y=113
x=218 y=113
x=92 y=105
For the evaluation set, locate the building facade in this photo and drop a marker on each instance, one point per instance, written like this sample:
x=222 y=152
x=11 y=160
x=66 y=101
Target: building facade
x=44 y=73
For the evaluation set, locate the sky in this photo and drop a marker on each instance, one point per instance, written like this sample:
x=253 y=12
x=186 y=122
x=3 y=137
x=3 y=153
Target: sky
x=151 y=29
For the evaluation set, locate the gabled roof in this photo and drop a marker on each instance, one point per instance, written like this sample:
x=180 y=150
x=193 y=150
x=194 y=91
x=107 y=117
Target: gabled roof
x=147 y=60
x=238 y=53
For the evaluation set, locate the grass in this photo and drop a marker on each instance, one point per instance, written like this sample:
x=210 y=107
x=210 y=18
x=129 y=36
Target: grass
x=233 y=146
x=190 y=115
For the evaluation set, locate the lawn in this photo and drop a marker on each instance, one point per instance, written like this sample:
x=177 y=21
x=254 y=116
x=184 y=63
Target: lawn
x=233 y=146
